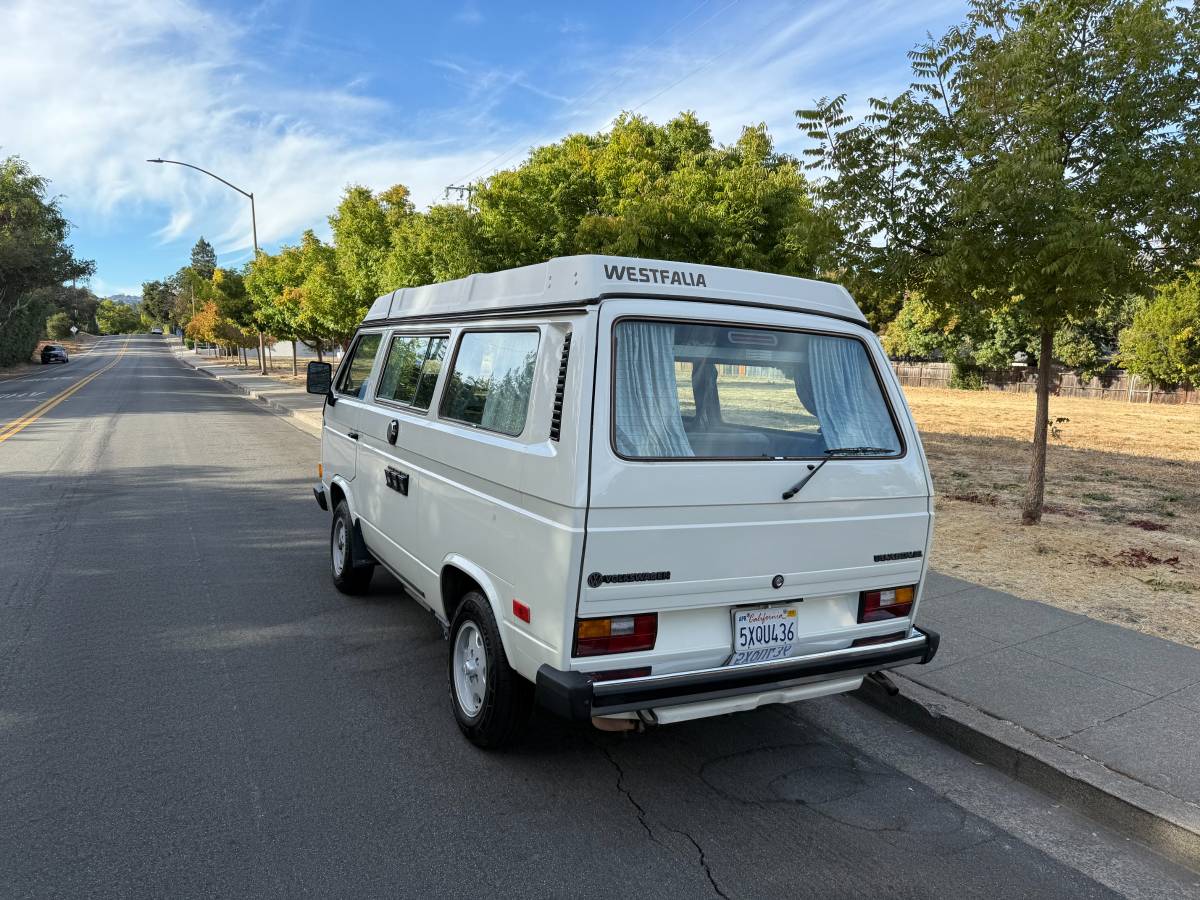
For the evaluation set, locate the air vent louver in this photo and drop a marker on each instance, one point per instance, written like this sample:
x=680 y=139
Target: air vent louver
x=560 y=390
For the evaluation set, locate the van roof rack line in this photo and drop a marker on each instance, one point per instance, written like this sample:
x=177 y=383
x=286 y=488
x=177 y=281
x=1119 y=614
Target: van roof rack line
x=575 y=281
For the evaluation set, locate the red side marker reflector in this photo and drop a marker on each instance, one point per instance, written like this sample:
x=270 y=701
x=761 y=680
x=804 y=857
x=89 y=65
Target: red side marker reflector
x=520 y=610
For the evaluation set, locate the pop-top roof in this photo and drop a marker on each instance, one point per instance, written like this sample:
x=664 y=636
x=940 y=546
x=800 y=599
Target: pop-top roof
x=576 y=280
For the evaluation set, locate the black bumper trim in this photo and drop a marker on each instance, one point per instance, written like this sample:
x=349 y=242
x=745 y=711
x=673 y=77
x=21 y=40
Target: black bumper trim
x=573 y=695
x=319 y=493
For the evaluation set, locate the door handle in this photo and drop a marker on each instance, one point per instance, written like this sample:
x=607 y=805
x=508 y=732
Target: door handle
x=353 y=435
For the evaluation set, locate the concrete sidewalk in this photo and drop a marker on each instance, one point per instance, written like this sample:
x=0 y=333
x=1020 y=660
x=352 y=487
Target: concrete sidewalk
x=286 y=398
x=1099 y=716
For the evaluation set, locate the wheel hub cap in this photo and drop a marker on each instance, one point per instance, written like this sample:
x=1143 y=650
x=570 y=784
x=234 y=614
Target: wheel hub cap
x=470 y=669
x=339 y=547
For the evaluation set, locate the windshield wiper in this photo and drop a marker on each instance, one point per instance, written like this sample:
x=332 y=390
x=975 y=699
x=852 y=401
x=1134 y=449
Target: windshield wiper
x=830 y=454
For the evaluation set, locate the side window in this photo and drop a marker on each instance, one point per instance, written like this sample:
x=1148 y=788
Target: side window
x=411 y=370
x=358 y=367
x=492 y=379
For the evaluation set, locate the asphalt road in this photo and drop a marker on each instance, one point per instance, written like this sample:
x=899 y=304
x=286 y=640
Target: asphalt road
x=188 y=708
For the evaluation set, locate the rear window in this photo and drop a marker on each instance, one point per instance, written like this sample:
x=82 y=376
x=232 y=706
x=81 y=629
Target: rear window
x=492 y=379
x=683 y=390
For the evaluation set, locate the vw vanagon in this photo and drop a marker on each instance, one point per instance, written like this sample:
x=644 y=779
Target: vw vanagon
x=634 y=492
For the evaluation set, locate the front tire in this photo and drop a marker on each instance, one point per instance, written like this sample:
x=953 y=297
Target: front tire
x=351 y=575
x=492 y=702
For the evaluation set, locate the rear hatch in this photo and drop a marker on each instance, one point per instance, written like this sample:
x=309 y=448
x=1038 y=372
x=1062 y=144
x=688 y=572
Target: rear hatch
x=704 y=416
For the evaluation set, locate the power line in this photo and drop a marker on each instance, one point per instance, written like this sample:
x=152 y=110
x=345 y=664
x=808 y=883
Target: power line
x=707 y=63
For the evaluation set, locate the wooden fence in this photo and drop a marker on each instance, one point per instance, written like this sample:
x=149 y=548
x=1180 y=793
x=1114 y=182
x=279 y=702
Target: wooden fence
x=1115 y=384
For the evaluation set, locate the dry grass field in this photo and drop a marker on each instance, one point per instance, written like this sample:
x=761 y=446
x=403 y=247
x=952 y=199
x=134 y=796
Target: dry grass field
x=1120 y=540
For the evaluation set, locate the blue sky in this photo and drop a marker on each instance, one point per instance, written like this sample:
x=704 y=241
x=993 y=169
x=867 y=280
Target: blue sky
x=295 y=100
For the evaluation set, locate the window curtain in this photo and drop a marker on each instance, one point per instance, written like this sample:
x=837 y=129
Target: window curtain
x=839 y=387
x=648 y=421
x=508 y=399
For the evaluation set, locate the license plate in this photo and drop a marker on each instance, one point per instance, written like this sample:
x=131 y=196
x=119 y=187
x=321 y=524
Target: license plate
x=763 y=634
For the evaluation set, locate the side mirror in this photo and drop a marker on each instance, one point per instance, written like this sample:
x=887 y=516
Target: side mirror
x=319 y=378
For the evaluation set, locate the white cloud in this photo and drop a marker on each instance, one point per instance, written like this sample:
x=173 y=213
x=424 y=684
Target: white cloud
x=740 y=65
x=90 y=90
x=104 y=288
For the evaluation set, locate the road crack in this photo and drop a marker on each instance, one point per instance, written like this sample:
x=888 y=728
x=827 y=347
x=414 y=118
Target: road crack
x=642 y=817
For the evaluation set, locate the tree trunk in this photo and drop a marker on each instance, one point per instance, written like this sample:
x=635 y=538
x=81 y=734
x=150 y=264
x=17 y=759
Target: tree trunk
x=1035 y=492
x=295 y=372
x=320 y=358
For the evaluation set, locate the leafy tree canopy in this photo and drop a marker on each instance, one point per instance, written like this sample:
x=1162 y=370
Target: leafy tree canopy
x=1046 y=160
x=34 y=257
x=1163 y=343
x=114 y=317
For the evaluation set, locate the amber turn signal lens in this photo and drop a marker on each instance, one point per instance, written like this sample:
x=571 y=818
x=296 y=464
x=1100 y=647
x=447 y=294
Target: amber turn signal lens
x=619 y=634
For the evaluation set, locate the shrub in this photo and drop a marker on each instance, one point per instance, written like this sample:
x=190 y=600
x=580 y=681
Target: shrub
x=965 y=376
x=1163 y=343
x=58 y=326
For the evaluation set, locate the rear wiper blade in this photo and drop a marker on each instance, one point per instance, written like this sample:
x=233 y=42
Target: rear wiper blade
x=830 y=454
x=849 y=451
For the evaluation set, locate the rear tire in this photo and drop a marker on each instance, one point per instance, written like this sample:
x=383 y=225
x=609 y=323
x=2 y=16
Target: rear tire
x=492 y=702
x=350 y=574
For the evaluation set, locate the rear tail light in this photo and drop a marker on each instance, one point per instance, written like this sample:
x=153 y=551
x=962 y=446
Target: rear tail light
x=619 y=634
x=889 y=603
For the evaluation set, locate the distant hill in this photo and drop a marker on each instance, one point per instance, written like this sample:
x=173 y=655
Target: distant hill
x=127 y=299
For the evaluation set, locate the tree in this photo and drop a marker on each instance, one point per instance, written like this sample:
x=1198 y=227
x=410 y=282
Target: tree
x=158 y=301
x=300 y=294
x=1162 y=344
x=204 y=325
x=204 y=259
x=114 y=317
x=640 y=189
x=58 y=326
x=1046 y=160
x=34 y=256
x=362 y=237
x=329 y=306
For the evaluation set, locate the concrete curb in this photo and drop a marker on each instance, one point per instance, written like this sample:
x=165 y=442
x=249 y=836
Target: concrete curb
x=1167 y=825
x=294 y=417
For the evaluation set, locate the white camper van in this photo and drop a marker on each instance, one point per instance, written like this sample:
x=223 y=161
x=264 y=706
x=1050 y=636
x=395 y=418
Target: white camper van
x=632 y=491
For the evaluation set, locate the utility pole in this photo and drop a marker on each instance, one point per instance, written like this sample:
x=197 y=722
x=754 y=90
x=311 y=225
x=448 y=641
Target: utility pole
x=461 y=190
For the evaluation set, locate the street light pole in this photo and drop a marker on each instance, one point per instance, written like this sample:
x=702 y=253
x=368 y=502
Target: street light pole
x=262 y=356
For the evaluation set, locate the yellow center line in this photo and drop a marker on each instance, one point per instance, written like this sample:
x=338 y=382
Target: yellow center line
x=17 y=425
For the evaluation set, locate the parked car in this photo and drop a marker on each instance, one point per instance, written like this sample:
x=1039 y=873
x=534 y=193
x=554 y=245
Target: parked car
x=635 y=492
x=156 y=330
x=52 y=353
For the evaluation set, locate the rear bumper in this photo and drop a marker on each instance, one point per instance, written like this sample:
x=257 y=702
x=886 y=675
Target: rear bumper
x=573 y=695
